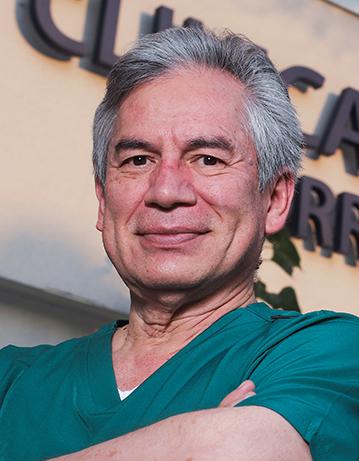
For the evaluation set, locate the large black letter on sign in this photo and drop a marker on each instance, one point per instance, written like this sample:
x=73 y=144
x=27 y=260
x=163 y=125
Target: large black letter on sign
x=313 y=213
x=346 y=236
x=301 y=77
x=37 y=26
x=103 y=55
x=343 y=130
x=163 y=19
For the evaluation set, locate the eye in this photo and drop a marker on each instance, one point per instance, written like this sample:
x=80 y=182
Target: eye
x=136 y=160
x=139 y=160
x=209 y=160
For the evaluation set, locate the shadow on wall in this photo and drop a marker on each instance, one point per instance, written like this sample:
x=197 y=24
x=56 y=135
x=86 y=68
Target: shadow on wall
x=52 y=263
x=31 y=316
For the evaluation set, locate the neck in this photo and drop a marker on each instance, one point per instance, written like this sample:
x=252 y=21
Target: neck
x=169 y=321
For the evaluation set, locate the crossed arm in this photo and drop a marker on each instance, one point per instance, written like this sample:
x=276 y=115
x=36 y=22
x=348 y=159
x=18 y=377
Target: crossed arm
x=240 y=434
x=227 y=433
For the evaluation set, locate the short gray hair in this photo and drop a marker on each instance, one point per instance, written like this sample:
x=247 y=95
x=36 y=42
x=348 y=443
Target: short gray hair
x=270 y=117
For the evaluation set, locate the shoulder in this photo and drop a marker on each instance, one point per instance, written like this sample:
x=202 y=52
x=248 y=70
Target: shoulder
x=326 y=329
x=311 y=333
x=19 y=361
x=307 y=370
x=312 y=343
x=282 y=338
x=13 y=361
x=338 y=330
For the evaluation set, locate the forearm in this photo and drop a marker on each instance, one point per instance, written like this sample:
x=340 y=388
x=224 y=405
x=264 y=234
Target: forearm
x=241 y=434
x=175 y=438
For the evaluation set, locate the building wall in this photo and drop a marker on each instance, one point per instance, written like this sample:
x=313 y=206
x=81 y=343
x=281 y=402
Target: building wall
x=30 y=316
x=48 y=238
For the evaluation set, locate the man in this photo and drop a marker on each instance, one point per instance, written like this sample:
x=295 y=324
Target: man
x=196 y=150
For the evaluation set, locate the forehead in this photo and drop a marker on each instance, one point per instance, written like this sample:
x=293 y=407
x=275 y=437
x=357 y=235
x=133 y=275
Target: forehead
x=186 y=102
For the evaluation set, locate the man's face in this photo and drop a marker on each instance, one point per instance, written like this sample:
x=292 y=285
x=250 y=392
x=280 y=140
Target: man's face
x=181 y=209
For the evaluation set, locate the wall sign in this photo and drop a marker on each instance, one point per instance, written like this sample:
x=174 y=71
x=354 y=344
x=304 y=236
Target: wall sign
x=317 y=216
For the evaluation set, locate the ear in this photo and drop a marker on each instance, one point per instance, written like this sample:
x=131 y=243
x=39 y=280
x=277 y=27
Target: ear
x=100 y=194
x=279 y=203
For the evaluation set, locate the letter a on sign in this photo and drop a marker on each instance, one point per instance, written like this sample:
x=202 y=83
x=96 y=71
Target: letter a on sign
x=343 y=130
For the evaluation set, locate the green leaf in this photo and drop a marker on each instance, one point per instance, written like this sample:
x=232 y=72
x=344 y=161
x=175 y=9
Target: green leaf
x=285 y=253
x=286 y=299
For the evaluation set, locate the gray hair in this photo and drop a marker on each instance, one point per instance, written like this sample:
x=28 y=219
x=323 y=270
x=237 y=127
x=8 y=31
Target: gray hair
x=269 y=115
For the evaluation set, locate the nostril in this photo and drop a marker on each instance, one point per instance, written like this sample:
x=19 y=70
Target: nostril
x=170 y=188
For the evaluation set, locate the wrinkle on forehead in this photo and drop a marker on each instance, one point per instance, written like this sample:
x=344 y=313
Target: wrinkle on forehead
x=207 y=87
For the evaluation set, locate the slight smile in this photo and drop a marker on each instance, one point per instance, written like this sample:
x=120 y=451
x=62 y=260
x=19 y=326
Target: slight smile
x=170 y=237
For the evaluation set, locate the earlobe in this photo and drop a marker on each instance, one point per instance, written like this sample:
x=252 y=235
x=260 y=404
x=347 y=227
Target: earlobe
x=279 y=203
x=100 y=194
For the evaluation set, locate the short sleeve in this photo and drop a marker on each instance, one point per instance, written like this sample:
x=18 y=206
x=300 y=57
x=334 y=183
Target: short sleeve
x=309 y=374
x=13 y=361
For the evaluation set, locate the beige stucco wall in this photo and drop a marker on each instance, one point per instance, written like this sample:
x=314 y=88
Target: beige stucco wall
x=30 y=316
x=48 y=207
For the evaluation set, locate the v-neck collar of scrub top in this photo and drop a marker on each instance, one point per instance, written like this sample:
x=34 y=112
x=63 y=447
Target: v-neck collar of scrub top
x=101 y=377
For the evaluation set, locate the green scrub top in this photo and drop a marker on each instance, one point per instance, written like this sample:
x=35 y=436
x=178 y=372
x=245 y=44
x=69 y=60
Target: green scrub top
x=60 y=399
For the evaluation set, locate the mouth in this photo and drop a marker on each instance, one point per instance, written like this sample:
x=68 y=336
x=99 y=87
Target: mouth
x=173 y=237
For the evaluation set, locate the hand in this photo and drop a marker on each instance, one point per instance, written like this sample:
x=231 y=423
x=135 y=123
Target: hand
x=196 y=435
x=245 y=390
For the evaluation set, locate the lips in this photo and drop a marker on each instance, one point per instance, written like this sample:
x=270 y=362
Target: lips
x=173 y=236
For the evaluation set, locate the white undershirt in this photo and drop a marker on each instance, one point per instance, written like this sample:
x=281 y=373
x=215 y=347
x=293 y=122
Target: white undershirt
x=124 y=394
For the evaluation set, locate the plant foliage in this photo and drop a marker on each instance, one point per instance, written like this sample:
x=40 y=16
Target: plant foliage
x=286 y=256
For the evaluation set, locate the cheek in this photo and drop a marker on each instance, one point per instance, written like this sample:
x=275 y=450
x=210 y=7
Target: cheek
x=230 y=195
x=239 y=207
x=122 y=198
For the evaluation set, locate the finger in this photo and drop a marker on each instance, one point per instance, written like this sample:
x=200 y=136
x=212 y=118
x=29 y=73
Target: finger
x=230 y=403
x=245 y=387
x=238 y=394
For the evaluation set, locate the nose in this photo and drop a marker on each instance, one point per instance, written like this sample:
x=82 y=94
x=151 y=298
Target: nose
x=170 y=186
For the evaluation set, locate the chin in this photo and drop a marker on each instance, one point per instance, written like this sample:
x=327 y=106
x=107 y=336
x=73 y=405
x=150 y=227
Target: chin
x=171 y=282
x=163 y=279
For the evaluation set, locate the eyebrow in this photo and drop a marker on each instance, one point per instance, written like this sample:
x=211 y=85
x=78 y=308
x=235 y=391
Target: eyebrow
x=134 y=144
x=216 y=142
